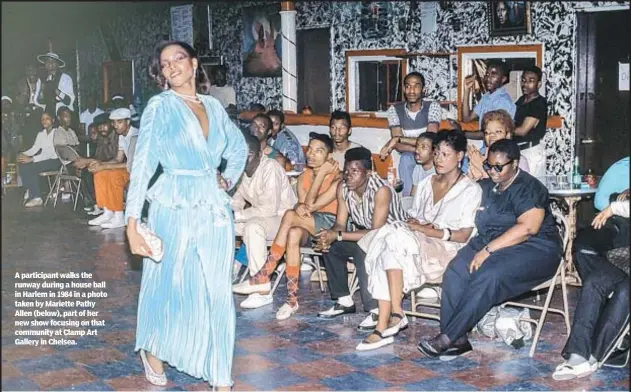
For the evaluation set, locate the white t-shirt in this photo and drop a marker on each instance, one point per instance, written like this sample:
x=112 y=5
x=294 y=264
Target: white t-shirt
x=225 y=95
x=339 y=156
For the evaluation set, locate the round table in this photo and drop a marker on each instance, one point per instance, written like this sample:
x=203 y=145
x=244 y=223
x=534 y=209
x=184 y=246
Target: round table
x=571 y=197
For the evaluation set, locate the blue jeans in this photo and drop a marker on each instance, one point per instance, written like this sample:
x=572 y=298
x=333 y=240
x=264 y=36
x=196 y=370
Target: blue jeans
x=407 y=163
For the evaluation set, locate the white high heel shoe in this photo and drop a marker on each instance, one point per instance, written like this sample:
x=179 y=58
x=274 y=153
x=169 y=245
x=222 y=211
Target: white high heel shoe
x=153 y=377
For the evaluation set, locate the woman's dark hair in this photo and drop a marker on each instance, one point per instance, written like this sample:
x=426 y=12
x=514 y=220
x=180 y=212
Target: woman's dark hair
x=340 y=115
x=508 y=147
x=277 y=113
x=202 y=83
x=454 y=139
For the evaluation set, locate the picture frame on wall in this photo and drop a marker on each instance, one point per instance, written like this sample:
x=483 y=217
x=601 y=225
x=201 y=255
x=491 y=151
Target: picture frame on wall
x=509 y=18
x=262 y=46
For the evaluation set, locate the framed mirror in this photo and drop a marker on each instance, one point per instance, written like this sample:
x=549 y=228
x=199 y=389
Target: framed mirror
x=472 y=60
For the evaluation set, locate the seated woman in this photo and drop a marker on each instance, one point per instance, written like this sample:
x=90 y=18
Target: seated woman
x=517 y=247
x=315 y=211
x=496 y=125
x=602 y=310
x=39 y=158
x=441 y=222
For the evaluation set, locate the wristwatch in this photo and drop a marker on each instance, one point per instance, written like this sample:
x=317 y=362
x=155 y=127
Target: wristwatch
x=489 y=251
x=339 y=235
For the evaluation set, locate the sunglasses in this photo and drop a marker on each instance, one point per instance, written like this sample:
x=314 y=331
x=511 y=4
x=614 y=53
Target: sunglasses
x=498 y=168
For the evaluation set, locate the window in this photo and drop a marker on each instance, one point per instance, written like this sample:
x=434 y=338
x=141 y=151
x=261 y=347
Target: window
x=374 y=79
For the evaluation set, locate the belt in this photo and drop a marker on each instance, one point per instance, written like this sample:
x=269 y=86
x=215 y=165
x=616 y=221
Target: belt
x=192 y=173
x=527 y=145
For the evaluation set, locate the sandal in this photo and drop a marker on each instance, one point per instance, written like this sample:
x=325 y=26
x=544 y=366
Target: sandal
x=565 y=371
x=398 y=327
x=365 y=345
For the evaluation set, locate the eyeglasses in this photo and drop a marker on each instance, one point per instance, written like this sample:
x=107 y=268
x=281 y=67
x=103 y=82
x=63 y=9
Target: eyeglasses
x=498 y=168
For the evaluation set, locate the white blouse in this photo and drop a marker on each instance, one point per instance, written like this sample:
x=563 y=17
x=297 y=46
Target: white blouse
x=455 y=211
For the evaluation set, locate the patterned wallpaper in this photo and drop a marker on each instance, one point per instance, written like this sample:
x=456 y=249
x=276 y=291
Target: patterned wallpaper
x=135 y=34
x=553 y=26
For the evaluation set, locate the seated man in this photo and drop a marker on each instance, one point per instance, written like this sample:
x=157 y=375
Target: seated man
x=106 y=143
x=370 y=203
x=517 y=247
x=317 y=205
x=261 y=127
x=39 y=158
x=602 y=310
x=424 y=155
x=340 y=129
x=403 y=257
x=283 y=140
x=406 y=121
x=111 y=177
x=65 y=136
x=265 y=186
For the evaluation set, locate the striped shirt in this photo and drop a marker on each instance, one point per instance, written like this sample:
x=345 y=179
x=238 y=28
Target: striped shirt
x=361 y=211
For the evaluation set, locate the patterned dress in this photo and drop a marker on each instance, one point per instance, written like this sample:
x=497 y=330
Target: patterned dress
x=186 y=314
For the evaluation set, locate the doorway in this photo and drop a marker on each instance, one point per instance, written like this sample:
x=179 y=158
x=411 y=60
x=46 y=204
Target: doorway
x=602 y=110
x=314 y=72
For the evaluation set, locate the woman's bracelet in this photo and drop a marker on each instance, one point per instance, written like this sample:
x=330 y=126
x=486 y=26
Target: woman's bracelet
x=446 y=235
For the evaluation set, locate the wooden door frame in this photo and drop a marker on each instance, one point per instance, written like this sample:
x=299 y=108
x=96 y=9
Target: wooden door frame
x=585 y=72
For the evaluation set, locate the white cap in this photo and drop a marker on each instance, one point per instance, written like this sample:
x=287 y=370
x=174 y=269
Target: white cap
x=117 y=97
x=120 y=114
x=5 y=98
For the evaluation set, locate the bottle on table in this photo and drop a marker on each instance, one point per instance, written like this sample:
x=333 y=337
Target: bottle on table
x=576 y=175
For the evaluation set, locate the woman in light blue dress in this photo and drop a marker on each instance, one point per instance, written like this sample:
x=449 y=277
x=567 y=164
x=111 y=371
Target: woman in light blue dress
x=186 y=314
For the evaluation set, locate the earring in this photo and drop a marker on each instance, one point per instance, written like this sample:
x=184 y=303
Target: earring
x=166 y=84
x=195 y=72
x=459 y=164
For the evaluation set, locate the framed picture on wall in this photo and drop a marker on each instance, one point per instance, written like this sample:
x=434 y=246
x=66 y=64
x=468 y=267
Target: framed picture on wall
x=262 y=47
x=509 y=18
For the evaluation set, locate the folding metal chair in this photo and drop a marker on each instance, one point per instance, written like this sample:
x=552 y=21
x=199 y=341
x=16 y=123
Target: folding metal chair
x=558 y=278
x=617 y=345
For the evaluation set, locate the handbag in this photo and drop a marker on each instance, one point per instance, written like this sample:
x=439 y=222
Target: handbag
x=153 y=241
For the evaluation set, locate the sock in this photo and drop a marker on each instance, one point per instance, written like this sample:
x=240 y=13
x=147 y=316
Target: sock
x=575 y=359
x=293 y=273
x=347 y=301
x=276 y=253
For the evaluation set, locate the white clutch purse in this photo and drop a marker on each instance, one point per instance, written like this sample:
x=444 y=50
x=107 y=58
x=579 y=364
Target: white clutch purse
x=153 y=241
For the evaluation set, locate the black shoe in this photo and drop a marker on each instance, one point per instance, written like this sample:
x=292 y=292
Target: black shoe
x=456 y=350
x=337 y=310
x=434 y=347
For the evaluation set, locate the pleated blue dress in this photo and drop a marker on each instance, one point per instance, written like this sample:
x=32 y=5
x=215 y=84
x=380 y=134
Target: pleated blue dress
x=186 y=314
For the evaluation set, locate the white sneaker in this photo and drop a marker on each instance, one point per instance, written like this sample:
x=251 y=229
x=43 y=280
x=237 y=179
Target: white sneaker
x=96 y=211
x=246 y=288
x=36 y=202
x=66 y=197
x=305 y=266
x=286 y=311
x=118 y=220
x=99 y=220
x=257 y=300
